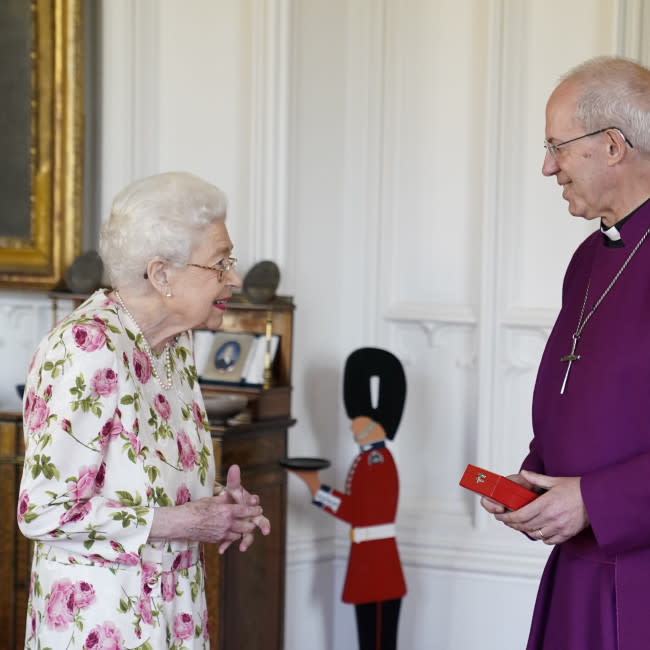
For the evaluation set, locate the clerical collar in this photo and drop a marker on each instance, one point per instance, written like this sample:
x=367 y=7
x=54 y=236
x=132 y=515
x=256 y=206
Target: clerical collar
x=373 y=445
x=612 y=236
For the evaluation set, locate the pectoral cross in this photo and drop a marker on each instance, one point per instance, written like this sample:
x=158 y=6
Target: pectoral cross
x=571 y=357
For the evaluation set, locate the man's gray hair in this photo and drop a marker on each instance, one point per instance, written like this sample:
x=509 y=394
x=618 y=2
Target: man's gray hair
x=614 y=92
x=164 y=215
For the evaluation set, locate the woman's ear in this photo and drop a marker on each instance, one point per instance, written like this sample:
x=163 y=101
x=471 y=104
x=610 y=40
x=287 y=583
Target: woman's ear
x=158 y=274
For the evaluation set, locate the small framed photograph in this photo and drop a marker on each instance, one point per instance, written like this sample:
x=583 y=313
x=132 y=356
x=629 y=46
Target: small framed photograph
x=226 y=359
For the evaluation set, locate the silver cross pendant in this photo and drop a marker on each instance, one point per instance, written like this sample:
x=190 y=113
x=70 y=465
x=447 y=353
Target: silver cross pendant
x=570 y=358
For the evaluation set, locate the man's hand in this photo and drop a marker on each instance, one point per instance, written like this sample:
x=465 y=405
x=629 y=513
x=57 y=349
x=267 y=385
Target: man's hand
x=554 y=517
x=496 y=508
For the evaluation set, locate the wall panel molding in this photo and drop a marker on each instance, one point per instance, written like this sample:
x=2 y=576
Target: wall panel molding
x=116 y=100
x=363 y=173
x=431 y=313
x=489 y=280
x=270 y=107
x=431 y=141
x=145 y=79
x=460 y=556
x=419 y=549
x=128 y=99
x=631 y=22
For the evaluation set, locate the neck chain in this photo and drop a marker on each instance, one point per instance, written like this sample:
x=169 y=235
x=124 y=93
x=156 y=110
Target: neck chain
x=167 y=384
x=572 y=356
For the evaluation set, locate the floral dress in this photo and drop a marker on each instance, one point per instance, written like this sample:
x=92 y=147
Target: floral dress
x=105 y=445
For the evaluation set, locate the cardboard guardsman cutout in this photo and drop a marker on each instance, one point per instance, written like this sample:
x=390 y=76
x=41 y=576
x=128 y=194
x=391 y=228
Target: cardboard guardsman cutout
x=374 y=582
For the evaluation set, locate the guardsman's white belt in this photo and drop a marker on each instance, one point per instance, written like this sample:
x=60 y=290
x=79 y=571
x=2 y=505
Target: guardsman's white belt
x=369 y=533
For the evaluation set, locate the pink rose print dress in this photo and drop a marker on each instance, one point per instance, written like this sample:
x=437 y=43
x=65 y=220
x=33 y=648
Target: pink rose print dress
x=105 y=445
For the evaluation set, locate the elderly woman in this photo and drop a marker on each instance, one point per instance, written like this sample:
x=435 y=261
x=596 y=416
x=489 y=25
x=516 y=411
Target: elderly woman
x=118 y=483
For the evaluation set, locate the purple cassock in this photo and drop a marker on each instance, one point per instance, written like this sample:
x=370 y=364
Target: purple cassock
x=595 y=591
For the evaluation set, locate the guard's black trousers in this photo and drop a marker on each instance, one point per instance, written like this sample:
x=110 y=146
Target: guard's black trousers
x=377 y=624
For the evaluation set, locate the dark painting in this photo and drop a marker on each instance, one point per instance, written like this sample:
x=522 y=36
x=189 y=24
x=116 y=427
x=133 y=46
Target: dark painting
x=15 y=119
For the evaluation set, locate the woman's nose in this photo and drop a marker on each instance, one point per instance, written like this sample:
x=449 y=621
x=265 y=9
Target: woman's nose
x=234 y=279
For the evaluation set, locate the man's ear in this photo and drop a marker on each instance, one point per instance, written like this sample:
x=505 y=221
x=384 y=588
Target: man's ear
x=616 y=147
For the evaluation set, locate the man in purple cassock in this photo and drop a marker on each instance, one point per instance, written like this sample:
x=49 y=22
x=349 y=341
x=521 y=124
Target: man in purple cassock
x=590 y=455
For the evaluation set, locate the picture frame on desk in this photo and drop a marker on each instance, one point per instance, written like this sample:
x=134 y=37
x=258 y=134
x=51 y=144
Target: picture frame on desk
x=233 y=357
x=226 y=357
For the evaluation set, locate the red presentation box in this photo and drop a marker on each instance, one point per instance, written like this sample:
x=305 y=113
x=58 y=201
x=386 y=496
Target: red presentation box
x=510 y=494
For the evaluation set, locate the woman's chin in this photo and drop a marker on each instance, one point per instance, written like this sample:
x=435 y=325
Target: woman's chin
x=214 y=320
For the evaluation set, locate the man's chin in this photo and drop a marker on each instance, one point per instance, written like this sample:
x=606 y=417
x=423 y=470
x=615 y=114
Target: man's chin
x=577 y=212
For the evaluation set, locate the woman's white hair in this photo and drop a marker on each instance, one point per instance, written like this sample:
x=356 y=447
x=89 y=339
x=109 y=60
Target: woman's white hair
x=614 y=92
x=163 y=215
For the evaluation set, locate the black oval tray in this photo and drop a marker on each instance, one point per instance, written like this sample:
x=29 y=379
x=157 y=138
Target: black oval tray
x=304 y=463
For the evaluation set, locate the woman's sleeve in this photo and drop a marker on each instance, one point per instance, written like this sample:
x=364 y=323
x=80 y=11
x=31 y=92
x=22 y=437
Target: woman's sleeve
x=71 y=416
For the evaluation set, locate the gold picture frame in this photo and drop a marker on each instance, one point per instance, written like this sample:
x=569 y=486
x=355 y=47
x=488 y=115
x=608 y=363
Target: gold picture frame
x=41 y=201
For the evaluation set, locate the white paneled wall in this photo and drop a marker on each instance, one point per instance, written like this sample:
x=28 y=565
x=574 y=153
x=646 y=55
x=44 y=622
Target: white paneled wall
x=24 y=320
x=386 y=154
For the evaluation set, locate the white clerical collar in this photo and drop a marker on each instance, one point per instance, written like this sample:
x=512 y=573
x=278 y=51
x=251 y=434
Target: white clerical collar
x=612 y=233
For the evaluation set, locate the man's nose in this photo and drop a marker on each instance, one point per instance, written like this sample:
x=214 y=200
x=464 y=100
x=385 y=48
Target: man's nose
x=550 y=166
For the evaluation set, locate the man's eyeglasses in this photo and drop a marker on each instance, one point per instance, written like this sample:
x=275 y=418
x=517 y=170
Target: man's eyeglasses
x=553 y=149
x=221 y=268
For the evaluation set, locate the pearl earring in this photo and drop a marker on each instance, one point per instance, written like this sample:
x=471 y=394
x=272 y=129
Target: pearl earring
x=168 y=294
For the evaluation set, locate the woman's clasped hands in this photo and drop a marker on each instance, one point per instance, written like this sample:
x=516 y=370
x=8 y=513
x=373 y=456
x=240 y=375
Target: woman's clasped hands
x=232 y=514
x=244 y=509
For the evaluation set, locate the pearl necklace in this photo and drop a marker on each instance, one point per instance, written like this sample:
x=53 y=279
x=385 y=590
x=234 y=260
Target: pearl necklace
x=165 y=385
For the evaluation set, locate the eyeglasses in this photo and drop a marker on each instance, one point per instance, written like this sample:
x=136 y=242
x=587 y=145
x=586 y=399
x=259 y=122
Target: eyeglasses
x=221 y=267
x=554 y=148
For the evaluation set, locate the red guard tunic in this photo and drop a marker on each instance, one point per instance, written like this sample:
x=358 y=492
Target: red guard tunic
x=370 y=502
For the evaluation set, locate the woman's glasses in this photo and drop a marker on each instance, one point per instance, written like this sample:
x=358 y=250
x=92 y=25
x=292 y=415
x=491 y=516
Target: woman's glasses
x=221 y=268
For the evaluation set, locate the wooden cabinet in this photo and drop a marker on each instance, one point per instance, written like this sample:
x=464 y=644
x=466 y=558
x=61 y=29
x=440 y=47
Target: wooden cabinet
x=15 y=556
x=245 y=591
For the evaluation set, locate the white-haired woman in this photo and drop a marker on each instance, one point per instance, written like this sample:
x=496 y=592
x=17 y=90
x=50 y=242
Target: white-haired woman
x=118 y=482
